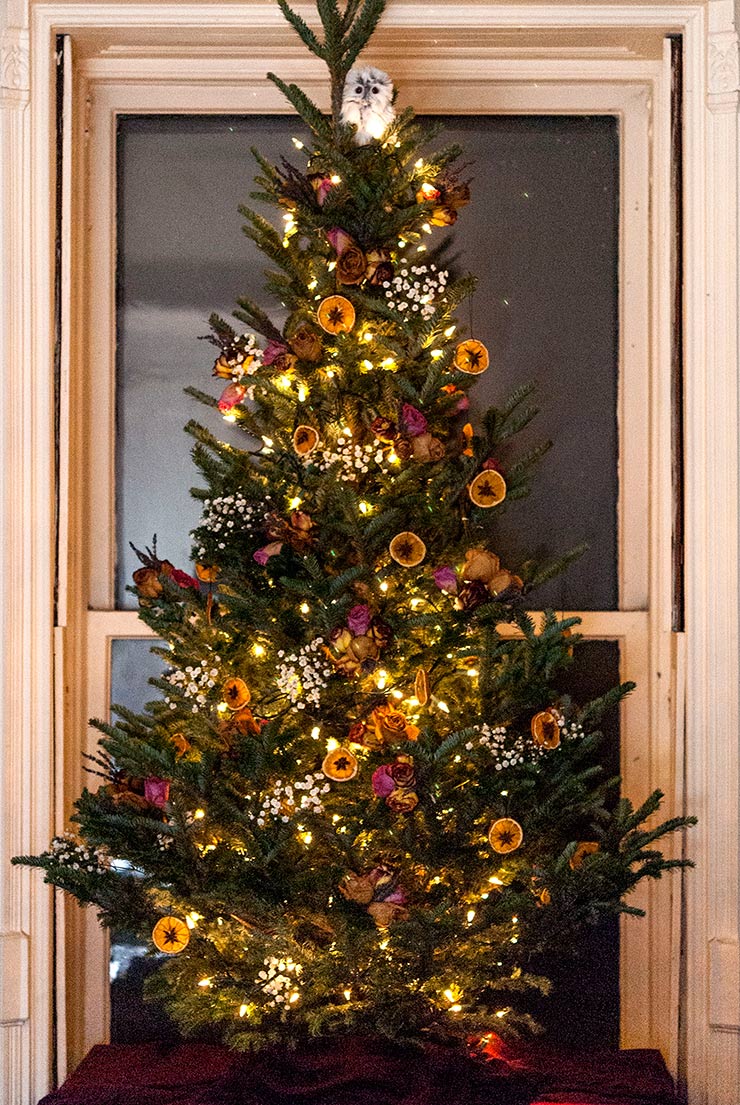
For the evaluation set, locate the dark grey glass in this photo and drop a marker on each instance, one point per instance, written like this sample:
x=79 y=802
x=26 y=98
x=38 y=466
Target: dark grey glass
x=541 y=235
x=132 y=1019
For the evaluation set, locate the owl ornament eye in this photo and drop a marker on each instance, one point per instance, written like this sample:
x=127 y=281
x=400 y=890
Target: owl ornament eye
x=358 y=90
x=376 y=90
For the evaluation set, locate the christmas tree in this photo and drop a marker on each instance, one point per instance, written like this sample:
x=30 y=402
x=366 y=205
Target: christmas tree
x=360 y=803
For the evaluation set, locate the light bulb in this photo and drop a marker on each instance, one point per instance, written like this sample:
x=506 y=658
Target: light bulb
x=199 y=815
x=230 y=417
x=258 y=650
x=205 y=983
x=335 y=179
x=315 y=732
x=295 y=502
x=297 y=143
x=450 y=331
x=304 y=608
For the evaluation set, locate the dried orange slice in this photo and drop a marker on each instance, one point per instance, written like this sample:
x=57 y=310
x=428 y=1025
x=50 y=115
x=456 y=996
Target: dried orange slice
x=545 y=728
x=488 y=489
x=305 y=440
x=236 y=693
x=336 y=314
x=407 y=549
x=505 y=835
x=584 y=848
x=471 y=356
x=170 y=935
x=340 y=765
x=421 y=686
x=206 y=572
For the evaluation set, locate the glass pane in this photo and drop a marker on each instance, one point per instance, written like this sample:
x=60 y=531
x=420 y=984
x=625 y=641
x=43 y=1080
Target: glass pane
x=583 y=1009
x=541 y=235
x=133 y=1020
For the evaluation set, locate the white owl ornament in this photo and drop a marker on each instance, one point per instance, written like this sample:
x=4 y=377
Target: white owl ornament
x=367 y=103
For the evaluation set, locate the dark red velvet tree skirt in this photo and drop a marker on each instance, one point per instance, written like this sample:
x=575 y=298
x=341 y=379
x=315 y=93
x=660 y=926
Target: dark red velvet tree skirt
x=359 y=1071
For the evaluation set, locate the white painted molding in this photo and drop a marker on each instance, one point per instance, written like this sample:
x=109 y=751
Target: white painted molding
x=26 y=524
x=14 y=60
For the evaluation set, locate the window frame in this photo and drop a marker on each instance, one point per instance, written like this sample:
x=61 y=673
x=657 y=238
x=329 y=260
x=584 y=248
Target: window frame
x=502 y=87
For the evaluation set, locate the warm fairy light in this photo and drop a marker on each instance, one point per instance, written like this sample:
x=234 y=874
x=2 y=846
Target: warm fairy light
x=426 y=228
x=381 y=679
x=286 y=243
x=384 y=944
x=368 y=336
x=288 y=218
x=191 y=919
x=397 y=694
x=229 y=417
x=495 y=880
x=297 y=143
x=388 y=363
x=421 y=249
x=401 y=243
x=335 y=179
x=364 y=508
x=501 y=1012
x=414 y=603
x=472 y=672
x=302 y=394
x=514 y=940
x=384 y=587
x=348 y=994
x=294 y=997
x=222 y=708
x=470 y=916
x=313 y=285
x=436 y=354
x=304 y=608
x=295 y=502
x=419 y=164
x=455 y=1008
x=329 y=374
x=332 y=744
x=331 y=266
x=443 y=706
x=284 y=381
x=393 y=457
x=367 y=364
x=205 y=983
x=243 y=1010
x=199 y=815
x=515 y=920
x=504 y=794
x=346 y=432
x=450 y=331
x=335 y=817
x=315 y=732
x=268 y=441
x=306 y=837
x=258 y=650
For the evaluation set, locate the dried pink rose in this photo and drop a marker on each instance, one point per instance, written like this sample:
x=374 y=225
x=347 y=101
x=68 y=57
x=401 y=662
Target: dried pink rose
x=383 y=782
x=156 y=791
x=231 y=396
x=359 y=619
x=263 y=555
x=446 y=579
x=413 y=420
